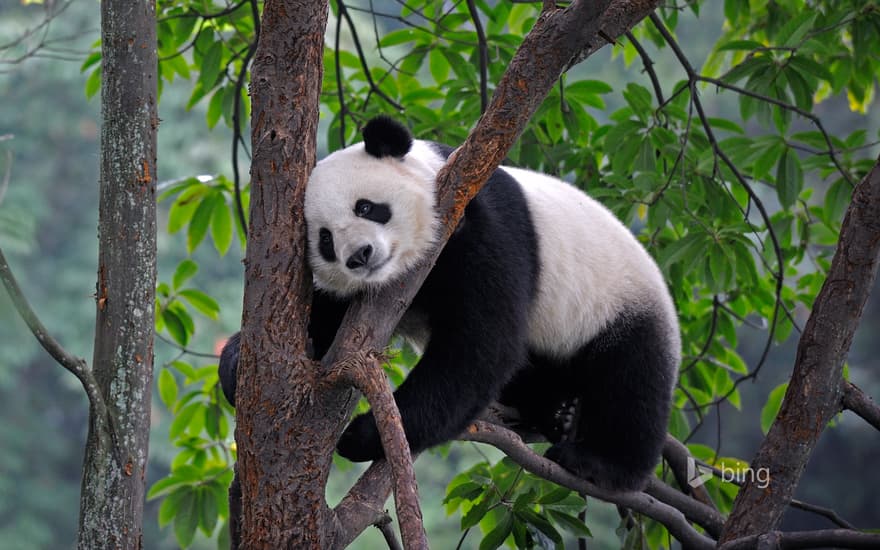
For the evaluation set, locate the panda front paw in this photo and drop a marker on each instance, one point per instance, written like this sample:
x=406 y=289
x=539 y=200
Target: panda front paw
x=360 y=440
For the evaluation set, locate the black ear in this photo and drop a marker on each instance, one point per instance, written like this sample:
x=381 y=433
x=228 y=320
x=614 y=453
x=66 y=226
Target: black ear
x=384 y=137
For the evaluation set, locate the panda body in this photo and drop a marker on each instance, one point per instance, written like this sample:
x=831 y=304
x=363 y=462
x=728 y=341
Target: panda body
x=541 y=299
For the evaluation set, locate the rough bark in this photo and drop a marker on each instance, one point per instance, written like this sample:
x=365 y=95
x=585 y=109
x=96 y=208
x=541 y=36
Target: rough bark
x=111 y=504
x=286 y=430
x=814 y=394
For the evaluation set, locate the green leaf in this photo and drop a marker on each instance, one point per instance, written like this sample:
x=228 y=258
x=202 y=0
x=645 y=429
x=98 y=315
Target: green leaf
x=533 y=518
x=208 y=513
x=221 y=227
x=182 y=420
x=187 y=519
x=746 y=68
x=771 y=408
x=175 y=326
x=400 y=36
x=571 y=524
x=725 y=124
x=476 y=513
x=215 y=108
x=808 y=66
x=201 y=301
x=800 y=89
x=210 y=68
x=496 y=536
x=639 y=98
x=467 y=491
x=92 y=59
x=170 y=506
x=182 y=210
x=93 y=83
x=167 y=388
x=185 y=270
x=789 y=178
x=201 y=219
x=791 y=34
x=837 y=198
x=556 y=495
x=438 y=65
x=164 y=486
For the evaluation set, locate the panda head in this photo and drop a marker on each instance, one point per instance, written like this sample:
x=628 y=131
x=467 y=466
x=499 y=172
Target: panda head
x=370 y=209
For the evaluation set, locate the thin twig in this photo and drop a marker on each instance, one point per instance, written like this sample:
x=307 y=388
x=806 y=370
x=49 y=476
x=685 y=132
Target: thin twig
x=343 y=12
x=236 y=116
x=384 y=526
x=827 y=513
x=648 y=64
x=857 y=401
x=76 y=365
x=483 y=48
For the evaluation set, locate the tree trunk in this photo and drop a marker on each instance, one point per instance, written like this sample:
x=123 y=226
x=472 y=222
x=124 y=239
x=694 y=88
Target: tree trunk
x=814 y=393
x=111 y=505
x=286 y=430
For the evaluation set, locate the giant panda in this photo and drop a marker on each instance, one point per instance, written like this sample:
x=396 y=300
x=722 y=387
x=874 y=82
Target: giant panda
x=541 y=300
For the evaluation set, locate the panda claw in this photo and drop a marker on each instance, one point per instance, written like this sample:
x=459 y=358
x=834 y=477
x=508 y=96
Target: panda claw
x=565 y=417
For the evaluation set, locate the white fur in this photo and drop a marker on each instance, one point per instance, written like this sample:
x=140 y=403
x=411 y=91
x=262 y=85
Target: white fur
x=343 y=177
x=592 y=267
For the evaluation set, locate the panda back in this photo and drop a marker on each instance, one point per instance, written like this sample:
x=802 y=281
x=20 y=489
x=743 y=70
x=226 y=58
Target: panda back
x=592 y=268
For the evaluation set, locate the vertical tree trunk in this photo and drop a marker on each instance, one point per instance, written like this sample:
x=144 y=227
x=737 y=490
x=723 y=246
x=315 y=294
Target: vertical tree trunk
x=286 y=427
x=111 y=505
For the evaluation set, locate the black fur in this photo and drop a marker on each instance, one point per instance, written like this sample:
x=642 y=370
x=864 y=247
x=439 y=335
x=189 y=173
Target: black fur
x=476 y=300
x=384 y=137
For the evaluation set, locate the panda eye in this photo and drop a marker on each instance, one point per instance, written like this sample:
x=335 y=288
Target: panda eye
x=325 y=245
x=369 y=210
x=362 y=208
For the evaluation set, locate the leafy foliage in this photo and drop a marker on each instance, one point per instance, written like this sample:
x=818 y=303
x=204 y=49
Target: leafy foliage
x=512 y=505
x=728 y=175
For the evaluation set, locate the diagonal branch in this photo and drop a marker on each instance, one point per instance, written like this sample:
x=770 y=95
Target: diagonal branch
x=76 y=365
x=364 y=372
x=857 y=401
x=814 y=393
x=836 y=538
x=364 y=504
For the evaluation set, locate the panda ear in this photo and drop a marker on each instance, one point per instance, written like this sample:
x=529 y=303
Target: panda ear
x=384 y=137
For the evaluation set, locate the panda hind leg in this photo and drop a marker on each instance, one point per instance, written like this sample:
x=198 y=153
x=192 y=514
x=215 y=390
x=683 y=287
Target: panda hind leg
x=542 y=399
x=624 y=381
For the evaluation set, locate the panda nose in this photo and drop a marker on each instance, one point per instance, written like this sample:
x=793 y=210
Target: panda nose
x=359 y=258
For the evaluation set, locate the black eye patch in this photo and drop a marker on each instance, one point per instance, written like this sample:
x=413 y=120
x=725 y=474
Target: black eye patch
x=325 y=245
x=369 y=210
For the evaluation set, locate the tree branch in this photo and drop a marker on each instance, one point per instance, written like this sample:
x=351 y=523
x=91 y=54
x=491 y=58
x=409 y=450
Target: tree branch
x=814 y=392
x=677 y=455
x=76 y=365
x=857 y=401
x=384 y=526
x=836 y=538
x=364 y=504
x=364 y=371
